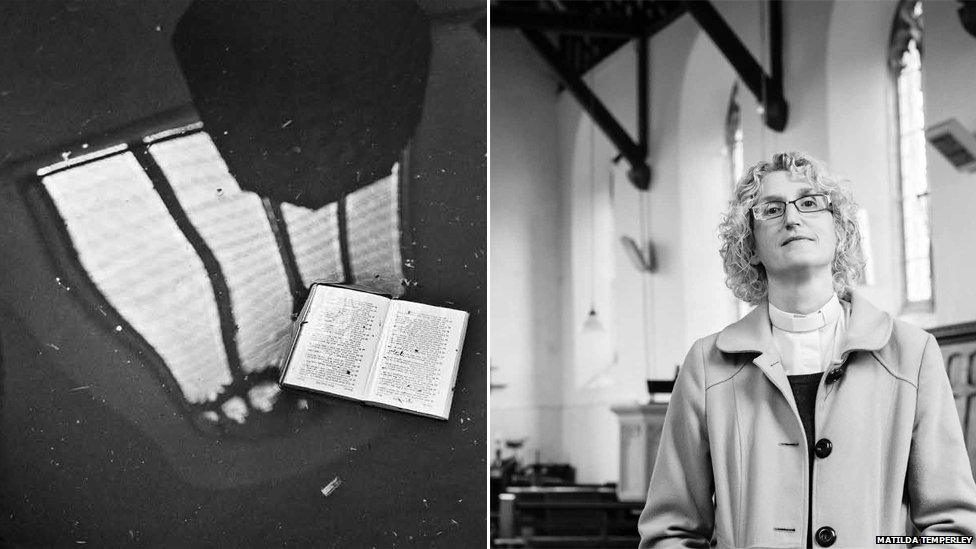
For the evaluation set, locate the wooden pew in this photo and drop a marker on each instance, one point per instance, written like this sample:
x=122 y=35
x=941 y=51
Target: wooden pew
x=958 y=344
x=567 y=517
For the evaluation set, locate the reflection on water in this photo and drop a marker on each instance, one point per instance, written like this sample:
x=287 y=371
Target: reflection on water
x=374 y=242
x=314 y=237
x=136 y=255
x=202 y=279
x=234 y=225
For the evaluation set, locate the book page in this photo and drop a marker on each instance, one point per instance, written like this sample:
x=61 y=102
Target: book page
x=418 y=357
x=337 y=341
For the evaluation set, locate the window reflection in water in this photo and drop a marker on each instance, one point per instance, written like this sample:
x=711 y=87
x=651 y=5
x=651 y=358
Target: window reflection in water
x=151 y=271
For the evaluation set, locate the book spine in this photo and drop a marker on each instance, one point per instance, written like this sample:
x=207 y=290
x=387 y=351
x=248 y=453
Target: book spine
x=380 y=345
x=296 y=333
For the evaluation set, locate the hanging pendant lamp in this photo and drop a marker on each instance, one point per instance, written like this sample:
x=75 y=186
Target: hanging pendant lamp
x=592 y=323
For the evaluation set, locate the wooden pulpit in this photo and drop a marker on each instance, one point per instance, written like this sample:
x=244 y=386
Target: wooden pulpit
x=640 y=434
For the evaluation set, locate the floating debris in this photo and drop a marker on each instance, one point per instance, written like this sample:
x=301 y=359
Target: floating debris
x=331 y=487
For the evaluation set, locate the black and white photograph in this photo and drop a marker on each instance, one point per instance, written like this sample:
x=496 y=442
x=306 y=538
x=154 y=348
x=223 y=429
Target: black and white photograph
x=731 y=258
x=243 y=273
x=517 y=274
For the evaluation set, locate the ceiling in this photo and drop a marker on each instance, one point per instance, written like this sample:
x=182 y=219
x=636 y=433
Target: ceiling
x=587 y=31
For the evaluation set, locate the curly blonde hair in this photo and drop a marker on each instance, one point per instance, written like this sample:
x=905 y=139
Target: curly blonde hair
x=748 y=282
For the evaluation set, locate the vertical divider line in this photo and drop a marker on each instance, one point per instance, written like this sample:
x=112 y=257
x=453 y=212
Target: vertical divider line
x=228 y=325
x=272 y=208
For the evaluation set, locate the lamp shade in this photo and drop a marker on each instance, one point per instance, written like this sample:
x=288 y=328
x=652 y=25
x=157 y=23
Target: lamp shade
x=592 y=322
x=306 y=100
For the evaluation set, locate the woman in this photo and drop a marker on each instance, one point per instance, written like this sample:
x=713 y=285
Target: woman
x=816 y=420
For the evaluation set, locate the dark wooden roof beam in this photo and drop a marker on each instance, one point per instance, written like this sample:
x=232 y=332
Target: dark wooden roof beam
x=767 y=88
x=582 y=23
x=567 y=22
x=635 y=153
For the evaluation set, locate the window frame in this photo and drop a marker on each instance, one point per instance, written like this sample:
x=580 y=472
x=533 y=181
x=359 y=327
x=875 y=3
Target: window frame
x=60 y=249
x=904 y=30
x=735 y=144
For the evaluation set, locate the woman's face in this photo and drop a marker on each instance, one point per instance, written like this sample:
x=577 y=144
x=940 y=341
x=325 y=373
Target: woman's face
x=795 y=242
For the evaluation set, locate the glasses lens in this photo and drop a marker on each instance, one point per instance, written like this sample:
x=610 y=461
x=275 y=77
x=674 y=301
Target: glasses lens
x=812 y=203
x=770 y=210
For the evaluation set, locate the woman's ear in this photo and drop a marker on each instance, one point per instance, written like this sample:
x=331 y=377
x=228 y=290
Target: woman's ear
x=753 y=256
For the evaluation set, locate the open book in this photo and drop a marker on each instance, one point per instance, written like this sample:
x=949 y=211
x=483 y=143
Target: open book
x=364 y=346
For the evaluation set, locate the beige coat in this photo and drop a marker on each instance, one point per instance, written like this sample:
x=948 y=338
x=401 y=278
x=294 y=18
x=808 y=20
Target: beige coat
x=733 y=432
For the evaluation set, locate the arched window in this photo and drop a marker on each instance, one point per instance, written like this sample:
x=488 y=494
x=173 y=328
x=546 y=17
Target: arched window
x=733 y=145
x=733 y=136
x=905 y=61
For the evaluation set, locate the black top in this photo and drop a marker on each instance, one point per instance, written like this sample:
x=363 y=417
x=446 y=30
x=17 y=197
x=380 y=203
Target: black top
x=805 y=393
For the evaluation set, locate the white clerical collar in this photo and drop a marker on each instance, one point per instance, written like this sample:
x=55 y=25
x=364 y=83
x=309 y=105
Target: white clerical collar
x=792 y=322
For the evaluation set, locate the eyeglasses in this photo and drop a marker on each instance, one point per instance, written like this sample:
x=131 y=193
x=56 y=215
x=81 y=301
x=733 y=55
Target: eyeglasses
x=805 y=204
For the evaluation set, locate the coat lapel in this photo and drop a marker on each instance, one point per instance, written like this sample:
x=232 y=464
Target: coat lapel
x=752 y=334
x=868 y=330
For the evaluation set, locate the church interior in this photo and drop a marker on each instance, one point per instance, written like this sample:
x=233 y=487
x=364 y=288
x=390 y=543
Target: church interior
x=618 y=130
